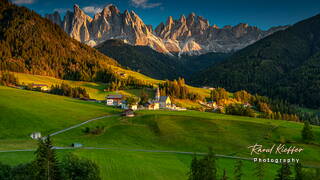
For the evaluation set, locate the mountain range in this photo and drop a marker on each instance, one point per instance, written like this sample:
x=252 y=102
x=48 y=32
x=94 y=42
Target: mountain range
x=191 y=35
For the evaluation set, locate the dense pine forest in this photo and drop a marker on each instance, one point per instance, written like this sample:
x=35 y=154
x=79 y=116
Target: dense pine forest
x=284 y=65
x=32 y=44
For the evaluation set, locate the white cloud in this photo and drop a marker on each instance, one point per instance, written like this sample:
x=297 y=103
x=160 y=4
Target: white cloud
x=144 y=4
x=23 y=1
x=92 y=9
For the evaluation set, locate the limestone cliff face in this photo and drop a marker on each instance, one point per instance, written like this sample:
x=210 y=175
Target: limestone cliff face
x=192 y=35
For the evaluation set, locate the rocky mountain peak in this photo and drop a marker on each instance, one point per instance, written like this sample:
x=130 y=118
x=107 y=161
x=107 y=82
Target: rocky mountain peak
x=110 y=10
x=192 y=35
x=55 y=17
x=169 y=21
x=182 y=19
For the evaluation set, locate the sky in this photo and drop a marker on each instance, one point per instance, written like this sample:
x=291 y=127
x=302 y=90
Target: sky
x=261 y=13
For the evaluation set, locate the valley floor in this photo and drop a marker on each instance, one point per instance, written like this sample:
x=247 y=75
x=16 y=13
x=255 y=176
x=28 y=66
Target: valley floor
x=139 y=146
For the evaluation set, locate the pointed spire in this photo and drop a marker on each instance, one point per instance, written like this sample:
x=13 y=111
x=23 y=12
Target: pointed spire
x=157 y=97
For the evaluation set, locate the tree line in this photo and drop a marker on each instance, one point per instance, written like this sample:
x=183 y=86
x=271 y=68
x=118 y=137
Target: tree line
x=46 y=165
x=178 y=89
x=245 y=104
x=207 y=168
x=66 y=90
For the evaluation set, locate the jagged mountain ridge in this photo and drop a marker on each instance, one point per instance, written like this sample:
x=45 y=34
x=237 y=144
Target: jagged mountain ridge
x=192 y=35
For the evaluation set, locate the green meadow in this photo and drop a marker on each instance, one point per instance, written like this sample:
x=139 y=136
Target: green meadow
x=23 y=112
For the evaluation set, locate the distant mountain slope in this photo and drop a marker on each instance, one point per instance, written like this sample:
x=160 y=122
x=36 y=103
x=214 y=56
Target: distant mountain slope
x=142 y=59
x=32 y=44
x=283 y=65
x=195 y=64
x=154 y=64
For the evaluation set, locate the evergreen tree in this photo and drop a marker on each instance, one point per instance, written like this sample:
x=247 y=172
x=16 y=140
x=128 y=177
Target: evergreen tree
x=46 y=163
x=210 y=166
x=224 y=175
x=238 y=170
x=260 y=171
x=194 y=169
x=284 y=172
x=5 y=172
x=307 y=134
x=203 y=169
x=298 y=169
x=75 y=168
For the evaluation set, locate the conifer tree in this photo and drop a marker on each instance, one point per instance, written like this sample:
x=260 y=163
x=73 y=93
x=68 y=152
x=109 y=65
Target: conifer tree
x=260 y=170
x=284 y=172
x=46 y=163
x=238 y=170
x=307 y=134
x=298 y=169
x=224 y=175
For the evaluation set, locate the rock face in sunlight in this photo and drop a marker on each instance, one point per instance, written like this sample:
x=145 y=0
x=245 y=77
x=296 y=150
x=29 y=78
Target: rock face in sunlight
x=192 y=35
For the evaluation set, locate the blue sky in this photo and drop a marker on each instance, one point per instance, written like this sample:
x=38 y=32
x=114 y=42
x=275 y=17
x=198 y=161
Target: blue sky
x=261 y=13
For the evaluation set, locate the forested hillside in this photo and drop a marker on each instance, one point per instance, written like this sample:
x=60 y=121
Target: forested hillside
x=32 y=44
x=285 y=65
x=155 y=64
x=142 y=59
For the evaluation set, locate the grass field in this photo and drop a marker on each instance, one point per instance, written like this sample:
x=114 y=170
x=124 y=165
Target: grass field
x=95 y=90
x=23 y=112
x=141 y=165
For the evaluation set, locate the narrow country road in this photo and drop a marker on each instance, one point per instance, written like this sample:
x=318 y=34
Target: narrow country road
x=134 y=150
x=78 y=125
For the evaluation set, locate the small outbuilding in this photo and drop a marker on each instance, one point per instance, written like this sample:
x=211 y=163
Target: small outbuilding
x=114 y=100
x=76 y=145
x=128 y=113
x=35 y=135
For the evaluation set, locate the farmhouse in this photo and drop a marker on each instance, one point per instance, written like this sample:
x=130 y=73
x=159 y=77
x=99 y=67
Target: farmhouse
x=114 y=100
x=128 y=113
x=152 y=105
x=42 y=87
x=35 y=135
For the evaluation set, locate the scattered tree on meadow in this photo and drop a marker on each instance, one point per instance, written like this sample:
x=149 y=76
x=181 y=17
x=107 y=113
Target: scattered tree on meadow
x=218 y=94
x=143 y=97
x=75 y=168
x=307 y=134
x=5 y=172
x=284 y=173
x=242 y=96
x=204 y=169
x=224 y=175
x=238 y=170
x=298 y=169
x=46 y=163
x=260 y=170
x=8 y=79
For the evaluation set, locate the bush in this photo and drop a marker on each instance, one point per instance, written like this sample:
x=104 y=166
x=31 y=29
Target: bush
x=75 y=168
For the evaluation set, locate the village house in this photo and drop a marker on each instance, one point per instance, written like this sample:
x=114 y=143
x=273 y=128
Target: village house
x=42 y=87
x=35 y=135
x=152 y=105
x=128 y=113
x=133 y=107
x=114 y=100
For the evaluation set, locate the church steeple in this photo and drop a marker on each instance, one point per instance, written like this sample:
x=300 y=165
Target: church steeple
x=157 y=97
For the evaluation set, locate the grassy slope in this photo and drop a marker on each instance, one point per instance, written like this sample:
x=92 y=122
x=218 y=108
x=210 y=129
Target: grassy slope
x=24 y=112
x=181 y=131
x=95 y=90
